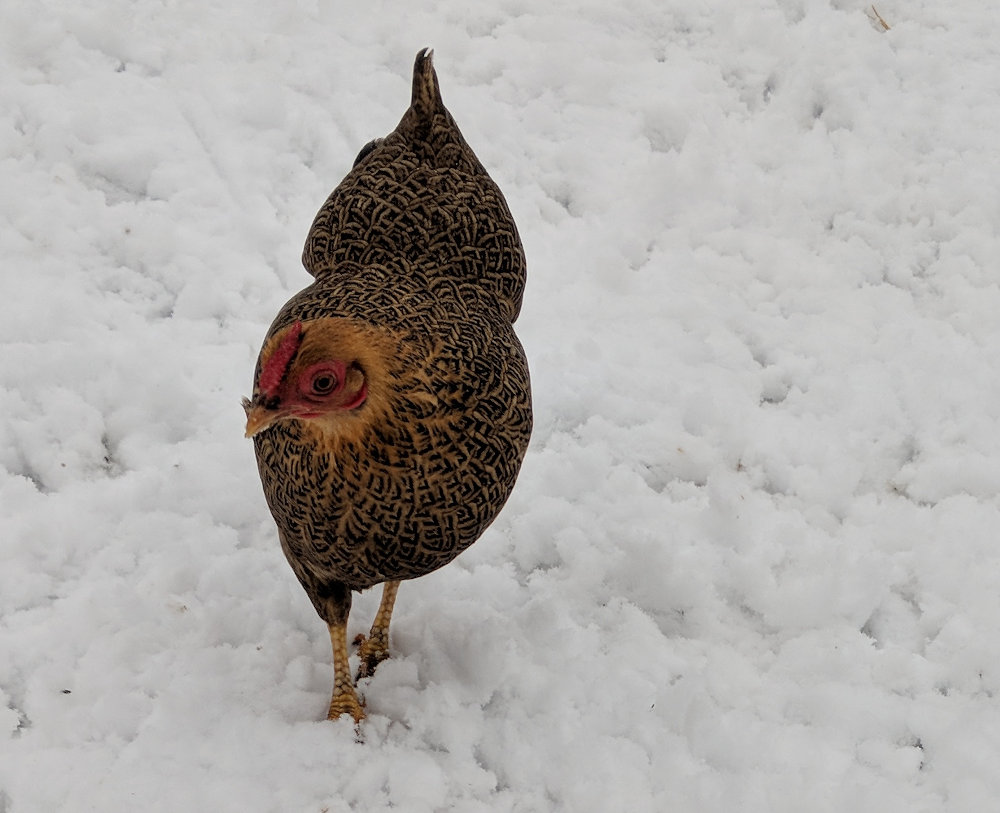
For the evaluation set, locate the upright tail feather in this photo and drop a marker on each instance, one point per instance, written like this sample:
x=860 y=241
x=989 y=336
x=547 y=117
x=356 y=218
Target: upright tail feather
x=426 y=98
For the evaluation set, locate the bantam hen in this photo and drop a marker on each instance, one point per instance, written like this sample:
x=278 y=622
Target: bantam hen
x=391 y=404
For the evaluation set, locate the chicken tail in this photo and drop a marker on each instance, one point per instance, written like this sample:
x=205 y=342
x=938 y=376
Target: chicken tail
x=426 y=99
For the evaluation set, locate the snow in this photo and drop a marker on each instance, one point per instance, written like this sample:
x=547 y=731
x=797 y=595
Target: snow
x=751 y=563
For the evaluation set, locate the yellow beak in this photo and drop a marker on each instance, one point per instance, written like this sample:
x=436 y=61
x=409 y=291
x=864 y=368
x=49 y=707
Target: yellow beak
x=259 y=418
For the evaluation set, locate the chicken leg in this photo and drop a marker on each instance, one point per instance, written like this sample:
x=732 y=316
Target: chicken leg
x=375 y=648
x=345 y=698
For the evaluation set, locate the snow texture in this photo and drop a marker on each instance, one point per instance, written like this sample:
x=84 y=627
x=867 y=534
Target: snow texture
x=752 y=560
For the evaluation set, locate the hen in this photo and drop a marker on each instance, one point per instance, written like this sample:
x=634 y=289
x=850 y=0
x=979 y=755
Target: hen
x=391 y=405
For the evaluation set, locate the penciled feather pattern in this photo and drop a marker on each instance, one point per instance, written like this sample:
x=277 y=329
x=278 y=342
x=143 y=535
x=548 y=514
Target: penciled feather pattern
x=419 y=275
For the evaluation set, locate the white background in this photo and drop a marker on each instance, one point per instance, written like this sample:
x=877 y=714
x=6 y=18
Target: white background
x=752 y=563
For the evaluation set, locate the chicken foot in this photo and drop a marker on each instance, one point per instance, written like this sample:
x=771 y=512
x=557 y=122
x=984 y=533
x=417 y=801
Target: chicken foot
x=374 y=648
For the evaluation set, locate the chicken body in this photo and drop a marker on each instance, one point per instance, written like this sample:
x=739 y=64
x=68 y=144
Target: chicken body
x=391 y=406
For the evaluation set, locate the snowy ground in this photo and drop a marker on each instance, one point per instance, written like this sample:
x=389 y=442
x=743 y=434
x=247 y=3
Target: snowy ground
x=752 y=561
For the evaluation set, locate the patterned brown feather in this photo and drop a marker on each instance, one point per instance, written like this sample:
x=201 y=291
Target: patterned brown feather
x=419 y=274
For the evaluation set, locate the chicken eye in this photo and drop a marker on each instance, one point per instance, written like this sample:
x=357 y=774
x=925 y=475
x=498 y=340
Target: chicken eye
x=324 y=383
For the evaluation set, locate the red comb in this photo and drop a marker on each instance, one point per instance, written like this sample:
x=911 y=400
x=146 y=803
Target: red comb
x=277 y=366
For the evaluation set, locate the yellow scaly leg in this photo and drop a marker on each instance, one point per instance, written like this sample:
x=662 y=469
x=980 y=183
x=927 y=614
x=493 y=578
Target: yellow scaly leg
x=345 y=698
x=375 y=648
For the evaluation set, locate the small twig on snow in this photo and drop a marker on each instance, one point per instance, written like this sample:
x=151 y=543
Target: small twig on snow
x=883 y=23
